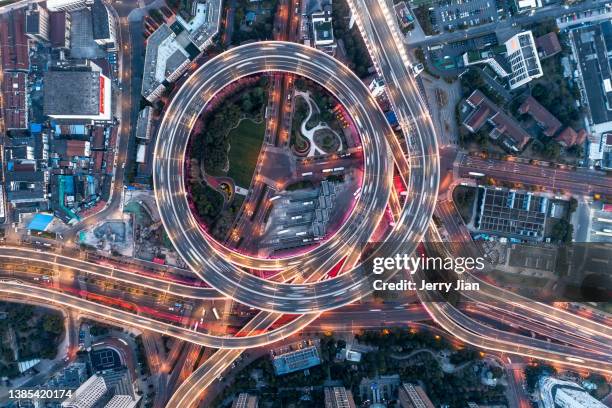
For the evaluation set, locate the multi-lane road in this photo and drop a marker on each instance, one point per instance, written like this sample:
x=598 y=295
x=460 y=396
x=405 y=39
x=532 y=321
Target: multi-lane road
x=221 y=267
x=579 y=181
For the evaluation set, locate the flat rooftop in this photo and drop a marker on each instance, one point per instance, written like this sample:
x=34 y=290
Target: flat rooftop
x=82 y=97
x=592 y=45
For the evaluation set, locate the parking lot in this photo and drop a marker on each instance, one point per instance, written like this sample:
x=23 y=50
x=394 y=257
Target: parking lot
x=450 y=15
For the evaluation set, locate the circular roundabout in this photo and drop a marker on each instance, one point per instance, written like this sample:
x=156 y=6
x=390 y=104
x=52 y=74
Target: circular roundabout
x=303 y=288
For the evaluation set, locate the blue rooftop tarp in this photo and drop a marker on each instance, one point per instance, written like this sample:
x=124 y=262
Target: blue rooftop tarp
x=40 y=222
x=35 y=127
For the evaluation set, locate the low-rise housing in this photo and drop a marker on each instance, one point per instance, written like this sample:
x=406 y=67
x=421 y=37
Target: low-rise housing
x=569 y=137
x=13 y=41
x=548 y=45
x=505 y=129
x=549 y=124
x=15 y=100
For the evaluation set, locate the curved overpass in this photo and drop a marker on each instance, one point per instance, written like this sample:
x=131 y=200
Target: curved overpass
x=221 y=267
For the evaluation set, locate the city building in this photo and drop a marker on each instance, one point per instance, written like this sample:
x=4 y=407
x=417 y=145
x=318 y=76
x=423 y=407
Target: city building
x=104 y=26
x=87 y=98
x=88 y=394
x=379 y=389
x=204 y=24
x=606 y=162
x=555 y=393
x=549 y=124
x=413 y=396
x=517 y=61
x=526 y=6
x=296 y=360
x=493 y=57
x=59 y=32
x=511 y=213
x=37 y=22
x=122 y=401
x=338 y=397
x=504 y=129
x=15 y=100
x=13 y=41
x=245 y=400
x=548 y=45
x=322 y=28
x=403 y=14
x=569 y=137
x=523 y=59
x=68 y=5
x=165 y=61
x=143 y=124
x=591 y=45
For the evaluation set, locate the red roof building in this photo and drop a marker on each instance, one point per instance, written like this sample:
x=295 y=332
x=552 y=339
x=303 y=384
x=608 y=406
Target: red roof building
x=15 y=100
x=569 y=137
x=14 y=42
x=546 y=120
x=548 y=45
x=505 y=128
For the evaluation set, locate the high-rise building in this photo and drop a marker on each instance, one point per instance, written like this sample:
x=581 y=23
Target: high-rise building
x=68 y=5
x=122 y=401
x=523 y=57
x=165 y=61
x=88 y=394
x=413 y=396
x=37 y=22
x=338 y=397
x=244 y=400
x=103 y=25
x=555 y=393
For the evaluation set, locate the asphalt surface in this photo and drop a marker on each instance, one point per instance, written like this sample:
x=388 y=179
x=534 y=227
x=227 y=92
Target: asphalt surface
x=220 y=267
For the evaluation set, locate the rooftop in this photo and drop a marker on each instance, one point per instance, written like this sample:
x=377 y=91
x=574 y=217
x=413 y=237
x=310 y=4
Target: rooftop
x=296 y=360
x=503 y=125
x=14 y=96
x=100 y=20
x=57 y=29
x=548 y=45
x=82 y=97
x=164 y=56
x=13 y=41
x=593 y=44
x=545 y=119
x=205 y=23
